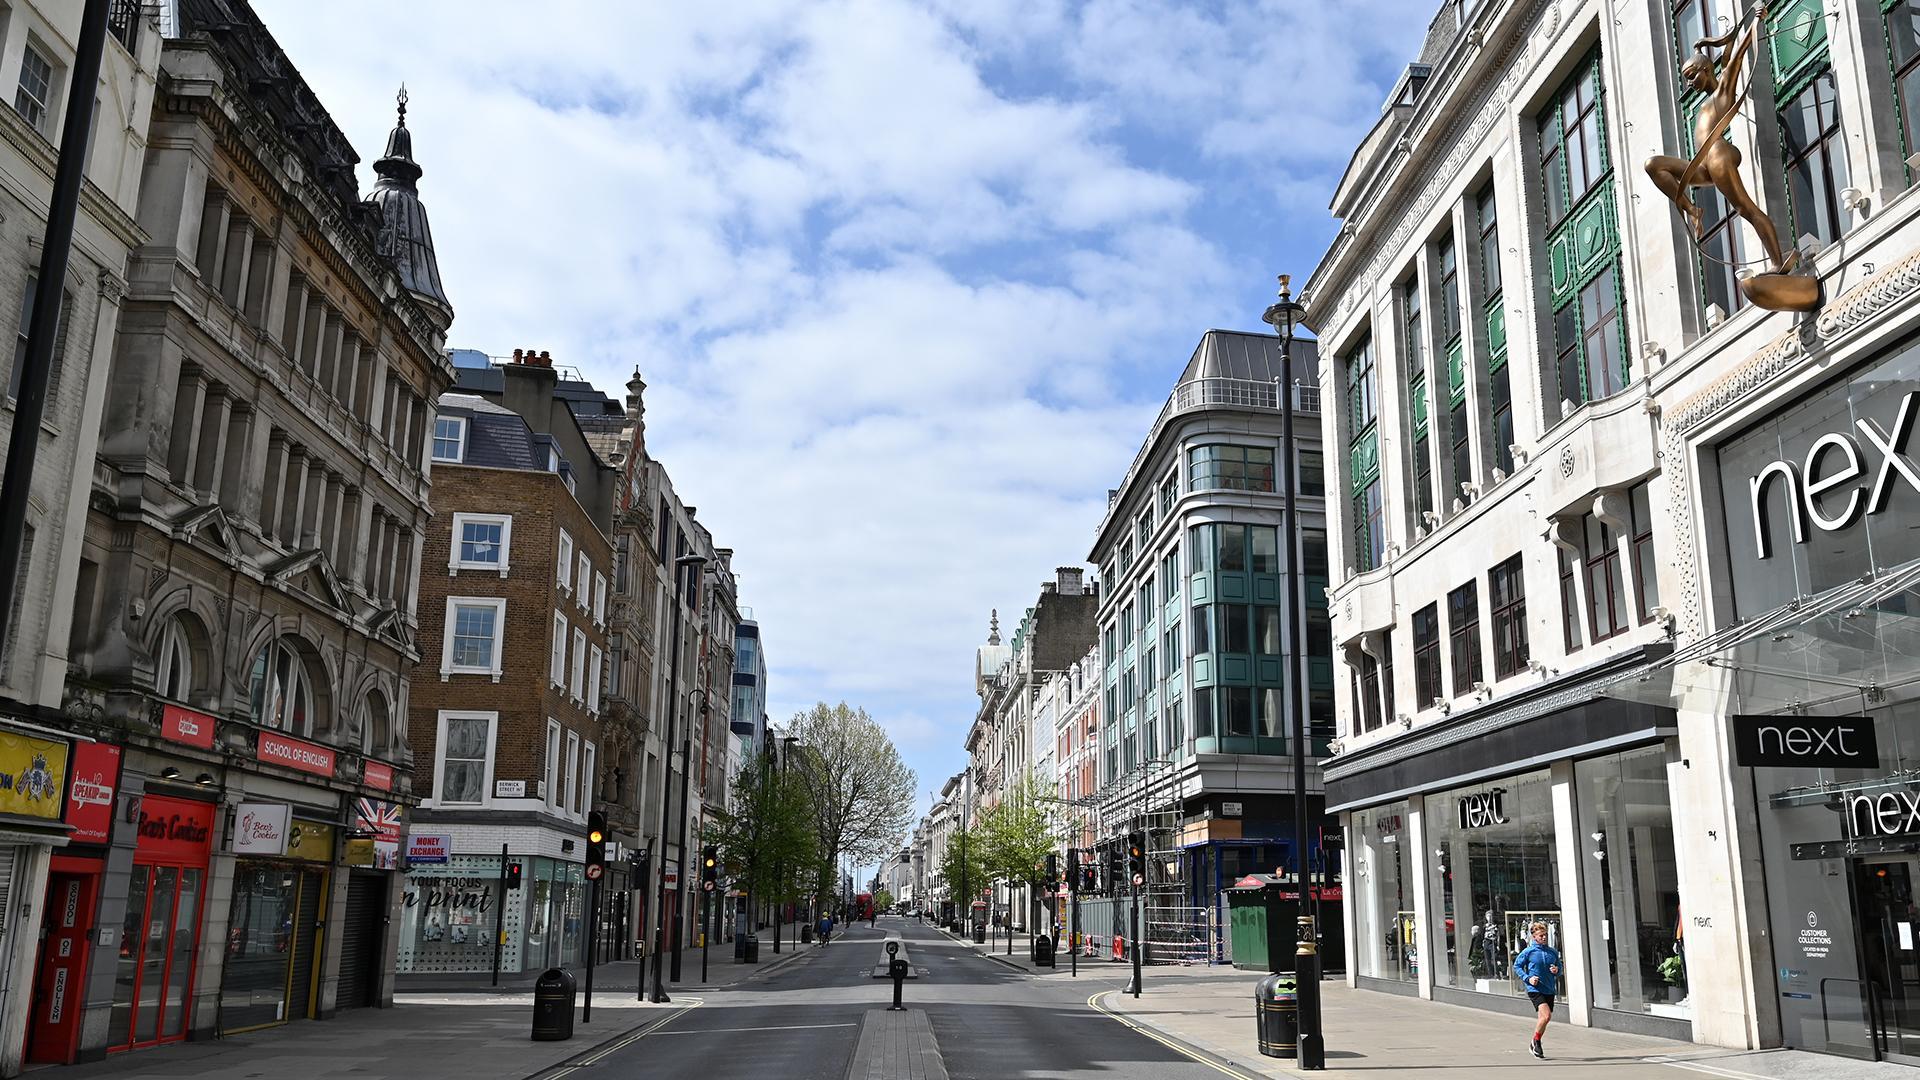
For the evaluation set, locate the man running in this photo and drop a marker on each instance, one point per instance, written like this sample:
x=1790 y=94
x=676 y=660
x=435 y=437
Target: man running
x=1538 y=966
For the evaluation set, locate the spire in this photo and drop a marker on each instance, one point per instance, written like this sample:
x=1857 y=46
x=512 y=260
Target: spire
x=993 y=634
x=405 y=237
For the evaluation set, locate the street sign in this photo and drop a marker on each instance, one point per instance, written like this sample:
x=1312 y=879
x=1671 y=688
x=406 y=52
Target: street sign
x=1139 y=879
x=594 y=870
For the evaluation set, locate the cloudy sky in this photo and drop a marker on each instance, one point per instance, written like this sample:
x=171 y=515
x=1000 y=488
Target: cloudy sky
x=907 y=281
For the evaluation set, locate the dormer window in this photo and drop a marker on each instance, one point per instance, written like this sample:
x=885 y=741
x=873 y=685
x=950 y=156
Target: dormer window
x=450 y=439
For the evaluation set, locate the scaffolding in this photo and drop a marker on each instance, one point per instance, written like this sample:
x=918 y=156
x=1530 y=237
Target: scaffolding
x=1175 y=931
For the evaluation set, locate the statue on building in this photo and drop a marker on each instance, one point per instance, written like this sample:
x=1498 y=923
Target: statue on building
x=1716 y=164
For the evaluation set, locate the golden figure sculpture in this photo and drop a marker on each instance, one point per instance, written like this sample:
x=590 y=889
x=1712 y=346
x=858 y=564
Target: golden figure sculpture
x=1716 y=164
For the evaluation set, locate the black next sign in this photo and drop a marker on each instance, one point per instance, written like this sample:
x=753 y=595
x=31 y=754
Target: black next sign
x=1826 y=742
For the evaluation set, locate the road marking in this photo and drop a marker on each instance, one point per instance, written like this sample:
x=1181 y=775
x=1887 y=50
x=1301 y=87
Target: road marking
x=1701 y=1066
x=601 y=1054
x=1094 y=1003
x=783 y=1027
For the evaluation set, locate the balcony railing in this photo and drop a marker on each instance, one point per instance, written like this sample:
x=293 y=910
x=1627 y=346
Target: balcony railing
x=1215 y=394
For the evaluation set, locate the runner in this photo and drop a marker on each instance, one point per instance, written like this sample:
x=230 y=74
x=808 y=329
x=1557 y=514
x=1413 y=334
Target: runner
x=1538 y=966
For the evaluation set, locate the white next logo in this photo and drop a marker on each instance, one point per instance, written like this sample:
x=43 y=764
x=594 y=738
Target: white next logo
x=1806 y=485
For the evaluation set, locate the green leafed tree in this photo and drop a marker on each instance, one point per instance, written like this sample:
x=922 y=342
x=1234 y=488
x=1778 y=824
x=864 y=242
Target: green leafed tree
x=861 y=791
x=1020 y=832
x=765 y=835
x=964 y=867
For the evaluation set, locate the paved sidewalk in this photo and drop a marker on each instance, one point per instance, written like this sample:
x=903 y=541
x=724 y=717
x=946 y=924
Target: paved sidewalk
x=1211 y=1010
x=722 y=970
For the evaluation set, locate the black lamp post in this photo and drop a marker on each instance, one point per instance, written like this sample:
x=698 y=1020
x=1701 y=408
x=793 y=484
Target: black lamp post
x=680 y=566
x=1283 y=315
x=780 y=867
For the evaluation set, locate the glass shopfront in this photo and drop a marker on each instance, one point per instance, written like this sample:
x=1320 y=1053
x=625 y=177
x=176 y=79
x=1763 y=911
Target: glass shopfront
x=273 y=940
x=1491 y=873
x=1386 y=936
x=1630 y=889
x=449 y=913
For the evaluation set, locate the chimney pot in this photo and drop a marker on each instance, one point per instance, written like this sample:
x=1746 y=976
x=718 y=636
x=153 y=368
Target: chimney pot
x=516 y=356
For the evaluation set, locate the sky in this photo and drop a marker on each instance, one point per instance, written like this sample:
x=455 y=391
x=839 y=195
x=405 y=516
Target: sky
x=907 y=281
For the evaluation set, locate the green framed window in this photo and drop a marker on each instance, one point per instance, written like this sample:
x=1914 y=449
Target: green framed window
x=1583 y=241
x=1903 y=57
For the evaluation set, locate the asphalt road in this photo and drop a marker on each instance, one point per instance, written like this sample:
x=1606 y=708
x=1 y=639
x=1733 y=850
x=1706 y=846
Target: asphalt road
x=803 y=1021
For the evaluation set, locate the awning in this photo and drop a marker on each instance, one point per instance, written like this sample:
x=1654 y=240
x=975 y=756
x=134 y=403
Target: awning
x=1846 y=649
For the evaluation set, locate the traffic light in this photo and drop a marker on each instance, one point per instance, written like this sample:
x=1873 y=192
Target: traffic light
x=596 y=845
x=1089 y=873
x=1073 y=870
x=709 y=867
x=513 y=877
x=1116 y=868
x=1137 y=857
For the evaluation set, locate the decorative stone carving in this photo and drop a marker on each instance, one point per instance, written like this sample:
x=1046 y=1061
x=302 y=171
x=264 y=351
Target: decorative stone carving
x=1567 y=461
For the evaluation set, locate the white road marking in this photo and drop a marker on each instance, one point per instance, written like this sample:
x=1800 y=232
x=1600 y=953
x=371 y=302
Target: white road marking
x=782 y=1027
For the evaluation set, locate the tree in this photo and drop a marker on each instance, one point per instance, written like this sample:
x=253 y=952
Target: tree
x=1020 y=834
x=882 y=900
x=963 y=868
x=861 y=792
x=765 y=835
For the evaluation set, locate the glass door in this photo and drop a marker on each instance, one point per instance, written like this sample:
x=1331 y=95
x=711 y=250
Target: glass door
x=153 y=978
x=1889 y=927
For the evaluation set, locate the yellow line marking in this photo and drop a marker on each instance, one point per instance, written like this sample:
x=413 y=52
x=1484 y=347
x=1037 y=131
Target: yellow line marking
x=691 y=1004
x=1094 y=1003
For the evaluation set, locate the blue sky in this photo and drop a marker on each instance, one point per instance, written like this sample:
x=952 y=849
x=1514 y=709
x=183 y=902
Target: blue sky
x=907 y=281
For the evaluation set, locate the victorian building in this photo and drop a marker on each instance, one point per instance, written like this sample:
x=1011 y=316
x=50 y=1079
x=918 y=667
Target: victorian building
x=243 y=620
x=1678 y=754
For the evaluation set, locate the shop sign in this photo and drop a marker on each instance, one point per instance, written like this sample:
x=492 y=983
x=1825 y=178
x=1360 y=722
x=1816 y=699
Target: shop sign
x=295 y=754
x=176 y=830
x=378 y=774
x=429 y=848
x=1230 y=809
x=379 y=824
x=1833 y=463
x=1885 y=813
x=1483 y=808
x=33 y=776
x=310 y=840
x=183 y=725
x=1827 y=742
x=96 y=774
x=260 y=828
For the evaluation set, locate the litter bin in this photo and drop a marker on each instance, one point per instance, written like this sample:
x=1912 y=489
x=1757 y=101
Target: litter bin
x=1042 y=951
x=739 y=946
x=553 y=1006
x=1276 y=1015
x=806 y=933
x=979 y=933
x=750 y=946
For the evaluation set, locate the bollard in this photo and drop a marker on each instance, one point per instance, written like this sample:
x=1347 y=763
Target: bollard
x=1119 y=948
x=896 y=970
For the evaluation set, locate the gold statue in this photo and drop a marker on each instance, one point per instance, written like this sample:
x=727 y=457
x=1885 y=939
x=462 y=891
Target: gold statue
x=1716 y=164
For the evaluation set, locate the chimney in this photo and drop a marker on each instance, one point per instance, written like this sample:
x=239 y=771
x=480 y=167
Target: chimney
x=516 y=356
x=1067 y=579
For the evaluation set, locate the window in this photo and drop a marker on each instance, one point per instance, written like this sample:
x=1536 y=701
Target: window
x=281 y=693
x=1903 y=51
x=1170 y=575
x=557 y=670
x=1489 y=243
x=34 y=99
x=595 y=659
x=1386 y=674
x=1361 y=389
x=1369 y=691
x=20 y=345
x=1169 y=492
x=583 y=576
x=1265 y=548
x=565 y=561
x=473 y=629
x=578 y=687
x=588 y=779
x=1573 y=158
x=1313 y=471
x=1426 y=656
x=1233 y=547
x=1369 y=527
x=1449 y=291
x=1413 y=323
x=1422 y=474
x=1230 y=468
x=449 y=438
x=1143 y=531
x=1501 y=390
x=572 y=801
x=1647 y=584
x=1463 y=622
x=552 y=794
x=1816 y=160
x=1198 y=626
x=1588 y=336
x=1569 y=603
x=599 y=598
x=1236 y=629
x=466 y=757
x=481 y=542
x=1507 y=596
x=174 y=678
x=1589 y=331
x=1462 y=446
x=1606 y=592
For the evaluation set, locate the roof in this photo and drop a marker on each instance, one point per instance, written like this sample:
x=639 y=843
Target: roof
x=496 y=437
x=1237 y=354
x=404 y=235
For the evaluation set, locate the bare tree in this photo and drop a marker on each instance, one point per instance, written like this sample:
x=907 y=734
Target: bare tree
x=862 y=792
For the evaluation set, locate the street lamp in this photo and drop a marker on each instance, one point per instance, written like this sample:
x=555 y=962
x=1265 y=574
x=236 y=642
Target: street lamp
x=680 y=567
x=1283 y=316
x=780 y=867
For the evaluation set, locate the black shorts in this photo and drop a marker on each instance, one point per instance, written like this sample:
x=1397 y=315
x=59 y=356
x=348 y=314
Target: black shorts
x=1540 y=999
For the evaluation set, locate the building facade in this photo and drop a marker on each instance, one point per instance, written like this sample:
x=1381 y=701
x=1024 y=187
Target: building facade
x=243 y=622
x=1195 y=730
x=1699 y=494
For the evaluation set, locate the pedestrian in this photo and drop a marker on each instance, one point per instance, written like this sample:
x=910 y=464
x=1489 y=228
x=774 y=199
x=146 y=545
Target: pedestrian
x=1538 y=967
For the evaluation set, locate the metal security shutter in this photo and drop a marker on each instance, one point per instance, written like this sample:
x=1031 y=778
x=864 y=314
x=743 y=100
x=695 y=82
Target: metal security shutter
x=361 y=934
x=306 y=934
x=7 y=862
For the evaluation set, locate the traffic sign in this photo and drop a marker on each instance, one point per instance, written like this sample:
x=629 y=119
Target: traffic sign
x=594 y=870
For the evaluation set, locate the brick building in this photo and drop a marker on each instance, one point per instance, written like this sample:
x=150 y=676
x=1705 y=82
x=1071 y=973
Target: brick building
x=513 y=746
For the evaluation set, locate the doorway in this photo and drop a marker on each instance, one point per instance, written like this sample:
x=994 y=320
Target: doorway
x=53 y=1035
x=1890 y=952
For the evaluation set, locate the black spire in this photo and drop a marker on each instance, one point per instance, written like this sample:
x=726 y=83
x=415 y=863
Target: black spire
x=404 y=235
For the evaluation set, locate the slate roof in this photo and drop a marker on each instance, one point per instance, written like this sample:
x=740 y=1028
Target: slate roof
x=1237 y=354
x=496 y=437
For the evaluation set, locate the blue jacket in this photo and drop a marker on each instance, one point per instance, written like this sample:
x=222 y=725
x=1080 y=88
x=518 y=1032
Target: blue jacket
x=1538 y=960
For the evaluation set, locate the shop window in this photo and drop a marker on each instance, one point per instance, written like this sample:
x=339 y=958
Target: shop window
x=1387 y=938
x=1507 y=596
x=1494 y=872
x=1630 y=883
x=271 y=939
x=1463 y=626
x=1426 y=656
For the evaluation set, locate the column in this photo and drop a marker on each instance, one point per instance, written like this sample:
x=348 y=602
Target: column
x=211 y=257
x=293 y=493
x=311 y=506
x=211 y=466
x=272 y=481
x=259 y=281
x=393 y=561
x=337 y=490
x=245 y=446
x=1428 y=940
x=329 y=366
x=375 y=547
x=182 y=446
x=310 y=334
x=347 y=533
x=239 y=259
x=348 y=381
x=357 y=553
x=376 y=409
x=1566 y=851
x=294 y=327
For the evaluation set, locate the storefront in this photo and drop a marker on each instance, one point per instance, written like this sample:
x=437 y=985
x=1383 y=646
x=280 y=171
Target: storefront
x=1385 y=920
x=159 y=941
x=449 y=914
x=281 y=875
x=1493 y=874
x=72 y=901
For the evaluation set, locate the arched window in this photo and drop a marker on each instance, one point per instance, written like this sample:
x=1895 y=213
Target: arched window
x=173 y=678
x=377 y=731
x=282 y=691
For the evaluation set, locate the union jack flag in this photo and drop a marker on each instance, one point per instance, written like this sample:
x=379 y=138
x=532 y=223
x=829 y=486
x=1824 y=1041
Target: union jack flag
x=382 y=819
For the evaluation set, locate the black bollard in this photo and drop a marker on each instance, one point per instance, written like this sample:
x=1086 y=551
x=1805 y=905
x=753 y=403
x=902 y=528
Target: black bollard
x=897 y=970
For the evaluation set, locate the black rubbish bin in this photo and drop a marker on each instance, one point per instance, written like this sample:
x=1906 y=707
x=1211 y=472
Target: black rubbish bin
x=553 y=1006
x=979 y=933
x=739 y=947
x=1276 y=1015
x=750 y=946
x=1042 y=951
x=806 y=934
